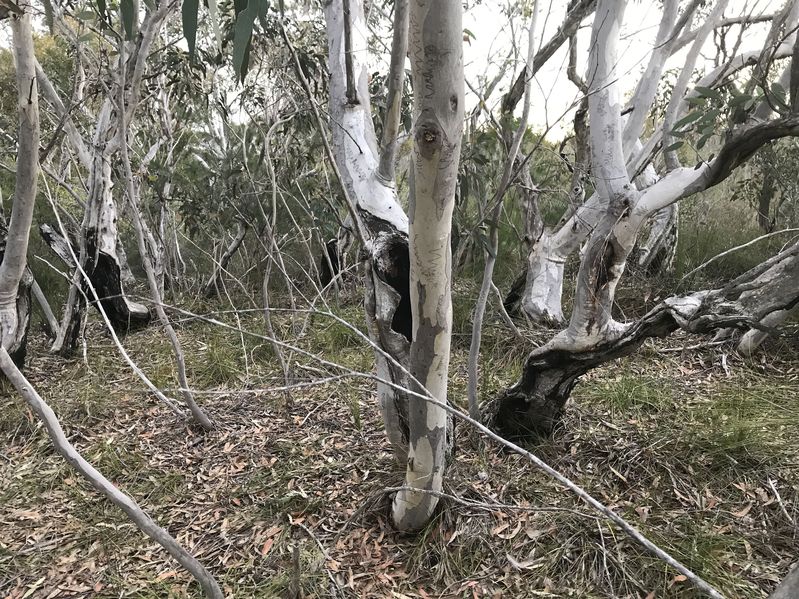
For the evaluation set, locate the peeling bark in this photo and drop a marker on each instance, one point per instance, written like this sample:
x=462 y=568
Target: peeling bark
x=658 y=252
x=17 y=314
x=378 y=217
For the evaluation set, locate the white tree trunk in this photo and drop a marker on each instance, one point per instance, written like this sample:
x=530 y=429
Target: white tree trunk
x=544 y=282
x=437 y=66
x=15 y=279
x=380 y=218
x=789 y=587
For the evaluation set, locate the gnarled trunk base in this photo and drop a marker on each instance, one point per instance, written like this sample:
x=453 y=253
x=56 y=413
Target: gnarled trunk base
x=532 y=407
x=106 y=276
x=18 y=350
x=388 y=318
x=21 y=311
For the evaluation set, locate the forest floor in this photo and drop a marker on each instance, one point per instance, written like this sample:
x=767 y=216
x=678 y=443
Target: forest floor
x=697 y=448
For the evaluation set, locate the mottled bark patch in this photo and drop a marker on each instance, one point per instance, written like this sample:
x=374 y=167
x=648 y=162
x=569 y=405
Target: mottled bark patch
x=22 y=306
x=425 y=344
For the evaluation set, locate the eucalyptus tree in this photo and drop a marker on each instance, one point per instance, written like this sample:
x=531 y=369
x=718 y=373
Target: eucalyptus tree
x=100 y=249
x=436 y=50
x=15 y=277
x=542 y=299
x=366 y=169
x=12 y=311
x=593 y=336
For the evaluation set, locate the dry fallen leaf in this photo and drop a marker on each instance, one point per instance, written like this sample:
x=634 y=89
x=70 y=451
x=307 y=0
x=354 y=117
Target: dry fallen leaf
x=743 y=511
x=525 y=565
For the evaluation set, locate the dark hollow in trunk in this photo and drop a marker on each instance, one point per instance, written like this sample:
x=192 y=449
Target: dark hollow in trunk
x=392 y=263
x=106 y=278
x=329 y=264
x=19 y=347
x=105 y=275
x=513 y=300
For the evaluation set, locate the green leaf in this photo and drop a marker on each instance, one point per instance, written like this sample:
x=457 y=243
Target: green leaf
x=709 y=117
x=86 y=37
x=707 y=92
x=242 y=35
x=189 y=13
x=102 y=8
x=693 y=101
x=676 y=145
x=129 y=18
x=213 y=13
x=689 y=118
x=468 y=33
x=703 y=140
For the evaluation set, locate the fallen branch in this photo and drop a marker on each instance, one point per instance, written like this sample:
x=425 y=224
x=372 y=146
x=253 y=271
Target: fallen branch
x=626 y=527
x=101 y=483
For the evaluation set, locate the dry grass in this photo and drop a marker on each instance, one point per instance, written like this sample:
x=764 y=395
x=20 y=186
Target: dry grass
x=687 y=451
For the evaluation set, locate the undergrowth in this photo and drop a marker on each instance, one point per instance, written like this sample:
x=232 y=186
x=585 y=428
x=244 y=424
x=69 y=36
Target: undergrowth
x=696 y=449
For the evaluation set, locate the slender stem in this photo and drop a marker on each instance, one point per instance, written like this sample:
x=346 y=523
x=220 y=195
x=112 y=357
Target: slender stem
x=491 y=254
x=396 y=81
x=352 y=94
x=101 y=483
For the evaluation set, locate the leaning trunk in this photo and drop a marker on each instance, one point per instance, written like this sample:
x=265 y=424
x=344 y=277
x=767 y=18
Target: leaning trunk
x=658 y=252
x=532 y=407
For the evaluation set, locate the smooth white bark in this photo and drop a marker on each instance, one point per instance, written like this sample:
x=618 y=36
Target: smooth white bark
x=12 y=323
x=437 y=66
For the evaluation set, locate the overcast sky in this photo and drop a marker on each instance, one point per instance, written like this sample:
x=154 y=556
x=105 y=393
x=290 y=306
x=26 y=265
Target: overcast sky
x=553 y=92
